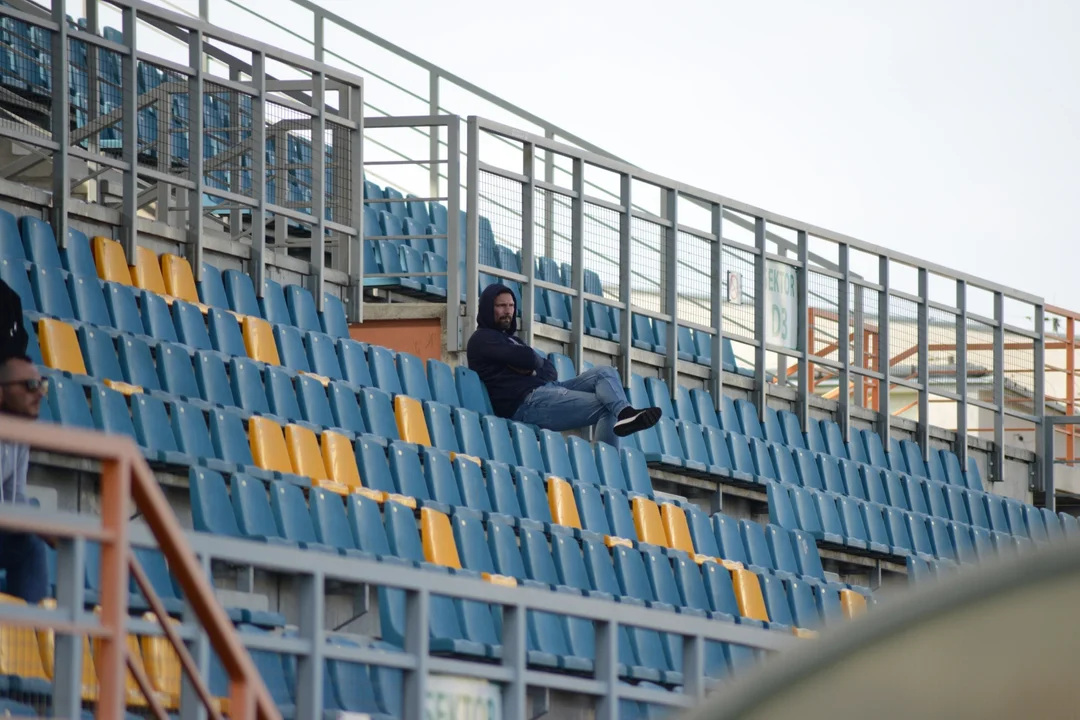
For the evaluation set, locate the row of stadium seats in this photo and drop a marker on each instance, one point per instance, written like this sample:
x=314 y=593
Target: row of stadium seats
x=27 y=665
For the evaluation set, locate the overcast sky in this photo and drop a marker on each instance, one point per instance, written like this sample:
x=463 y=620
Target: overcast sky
x=947 y=130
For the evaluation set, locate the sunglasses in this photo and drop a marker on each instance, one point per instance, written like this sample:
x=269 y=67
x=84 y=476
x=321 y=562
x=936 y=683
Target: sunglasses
x=34 y=385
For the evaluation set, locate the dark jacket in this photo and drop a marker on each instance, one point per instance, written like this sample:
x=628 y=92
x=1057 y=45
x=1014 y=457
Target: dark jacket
x=497 y=356
x=13 y=335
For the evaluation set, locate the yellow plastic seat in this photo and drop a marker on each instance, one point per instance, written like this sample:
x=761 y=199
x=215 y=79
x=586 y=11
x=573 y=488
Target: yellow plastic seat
x=748 y=594
x=561 y=501
x=650 y=528
x=60 y=347
x=463 y=456
x=259 y=340
x=321 y=379
x=110 y=260
x=852 y=603
x=305 y=453
x=339 y=458
x=677 y=532
x=178 y=279
x=122 y=387
x=164 y=670
x=47 y=644
x=412 y=426
x=133 y=695
x=438 y=539
x=146 y=273
x=268 y=447
x=803 y=633
x=20 y=653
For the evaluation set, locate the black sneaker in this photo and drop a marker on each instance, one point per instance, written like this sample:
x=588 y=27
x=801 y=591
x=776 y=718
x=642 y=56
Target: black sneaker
x=631 y=420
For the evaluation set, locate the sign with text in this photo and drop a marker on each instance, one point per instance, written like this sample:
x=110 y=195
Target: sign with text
x=460 y=698
x=781 y=305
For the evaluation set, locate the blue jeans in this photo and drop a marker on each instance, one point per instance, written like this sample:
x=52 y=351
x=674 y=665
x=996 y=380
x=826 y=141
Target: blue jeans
x=596 y=397
x=22 y=556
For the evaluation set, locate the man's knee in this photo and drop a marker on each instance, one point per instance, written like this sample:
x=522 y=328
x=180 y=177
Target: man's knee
x=609 y=372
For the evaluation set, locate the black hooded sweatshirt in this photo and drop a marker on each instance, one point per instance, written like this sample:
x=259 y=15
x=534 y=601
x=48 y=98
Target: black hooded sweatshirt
x=13 y=335
x=497 y=356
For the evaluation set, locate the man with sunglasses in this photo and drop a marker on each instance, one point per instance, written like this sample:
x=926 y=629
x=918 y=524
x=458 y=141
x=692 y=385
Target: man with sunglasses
x=22 y=555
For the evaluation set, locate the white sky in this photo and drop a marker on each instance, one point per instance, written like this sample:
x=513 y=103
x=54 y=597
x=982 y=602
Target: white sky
x=946 y=130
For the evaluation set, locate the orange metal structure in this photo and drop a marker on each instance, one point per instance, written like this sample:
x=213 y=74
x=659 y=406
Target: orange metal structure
x=126 y=479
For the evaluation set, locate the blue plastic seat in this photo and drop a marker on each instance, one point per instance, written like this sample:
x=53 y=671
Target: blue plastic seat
x=373 y=465
x=805 y=507
x=831 y=525
x=781 y=510
x=609 y=466
x=441 y=427
x=408 y=476
x=872 y=482
x=110 y=412
x=354 y=363
x=281 y=396
x=1055 y=531
x=441 y=480
x=292 y=518
x=211 y=508
x=705 y=408
x=1036 y=526
x=272 y=304
x=193 y=437
x=974 y=476
x=877 y=533
x=137 y=364
x=384 y=370
x=13 y=271
x=68 y=404
x=290 y=346
x=441 y=383
x=77 y=257
x=322 y=358
x=99 y=354
x=378 y=413
x=241 y=293
x=935 y=498
x=897 y=462
x=231 y=443
x=938 y=531
x=636 y=472
x=496 y=434
x=875 y=451
x=190 y=326
x=916 y=494
x=50 y=290
x=854 y=526
x=38 y=242
x=211 y=287
x=501 y=489
x=920 y=536
x=157 y=317
x=225 y=334
x=962 y=543
x=154 y=431
x=806 y=557
x=346 y=409
x=212 y=379
x=89 y=302
x=729 y=539
x=333 y=319
x=472 y=392
x=995 y=512
x=247 y=385
x=894 y=489
x=815 y=438
x=301 y=307
x=313 y=403
x=913 y=457
x=784 y=464
x=792 y=430
x=556 y=458
x=414 y=382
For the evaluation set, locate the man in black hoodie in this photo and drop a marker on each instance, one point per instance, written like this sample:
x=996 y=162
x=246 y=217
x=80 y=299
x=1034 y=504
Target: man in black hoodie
x=522 y=385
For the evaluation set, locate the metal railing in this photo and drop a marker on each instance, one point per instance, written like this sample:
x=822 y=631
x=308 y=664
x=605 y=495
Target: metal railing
x=125 y=480
x=266 y=148
x=678 y=271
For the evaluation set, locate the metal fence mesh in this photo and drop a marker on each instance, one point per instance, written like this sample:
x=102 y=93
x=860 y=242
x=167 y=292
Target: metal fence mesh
x=500 y=205
x=738 y=292
x=823 y=303
x=339 y=174
x=903 y=338
x=866 y=306
x=980 y=360
x=26 y=78
x=695 y=280
x=552 y=230
x=601 y=249
x=648 y=264
x=942 y=349
x=1019 y=370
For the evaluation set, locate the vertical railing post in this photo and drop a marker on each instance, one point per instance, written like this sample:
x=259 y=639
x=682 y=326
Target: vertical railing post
x=1048 y=462
x=528 y=249
x=549 y=205
x=111 y=659
x=129 y=101
x=67 y=679
x=998 y=471
x=455 y=283
x=515 y=648
x=626 y=277
x=577 y=264
x=309 y=667
x=472 y=230
x=802 y=406
x=433 y=133
x=843 y=344
x=858 y=358
x=61 y=122
x=694 y=667
x=191 y=708
x=1070 y=388
x=716 y=319
x=318 y=179
x=961 y=447
x=195 y=152
x=355 y=161
x=922 y=436
x=885 y=363
x=760 y=394
x=1044 y=454
x=417 y=613
x=607 y=668
x=671 y=286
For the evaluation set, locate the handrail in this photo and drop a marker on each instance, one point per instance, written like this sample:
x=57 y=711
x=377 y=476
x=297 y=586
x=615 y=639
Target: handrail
x=126 y=476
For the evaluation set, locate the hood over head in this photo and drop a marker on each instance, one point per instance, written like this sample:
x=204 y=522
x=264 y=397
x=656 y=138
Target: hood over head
x=485 y=315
